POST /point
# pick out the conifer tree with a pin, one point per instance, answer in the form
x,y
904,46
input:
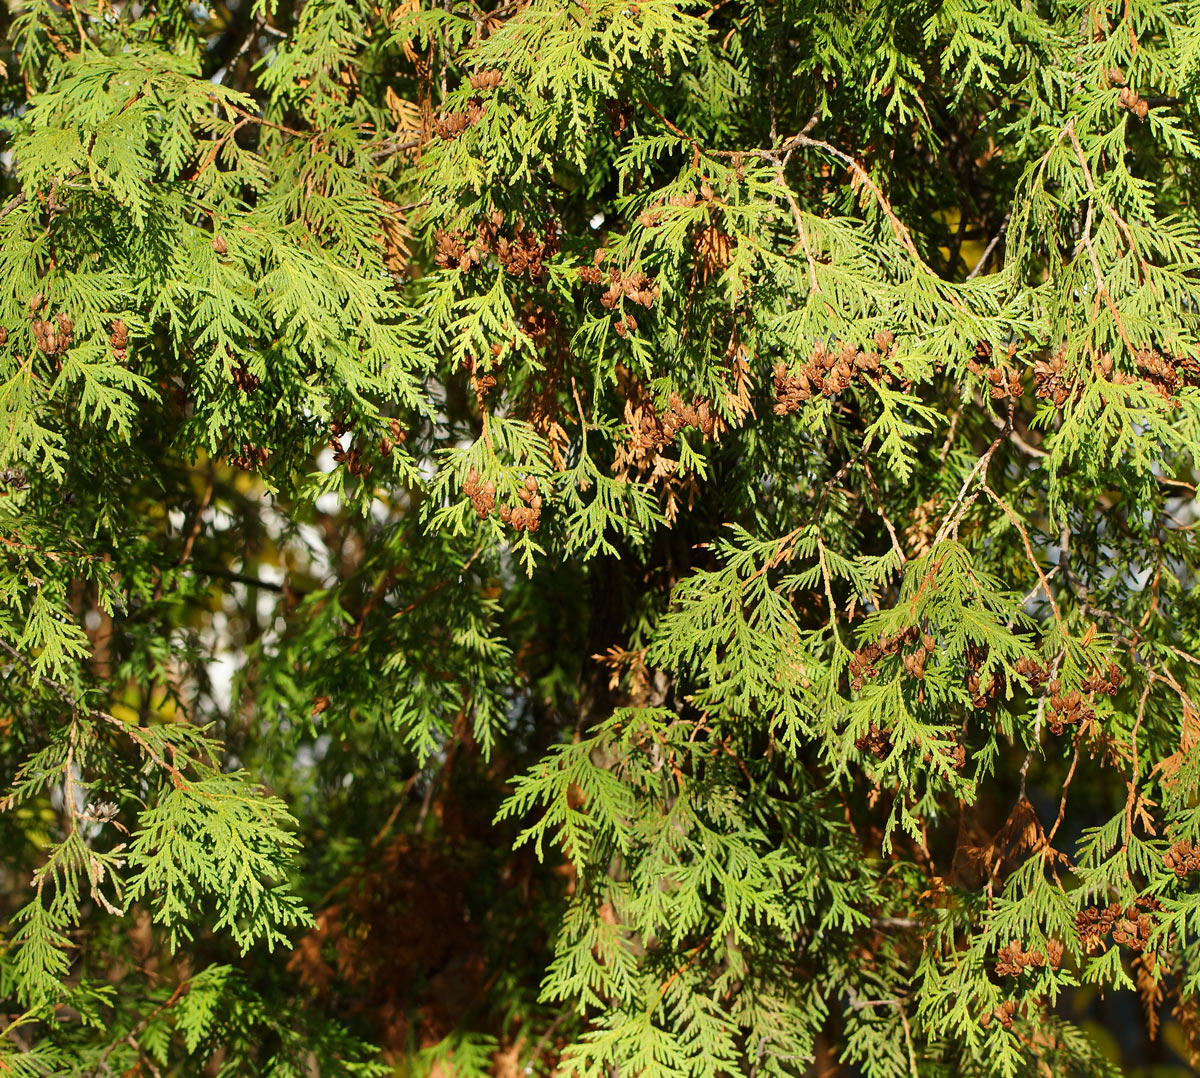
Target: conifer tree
x,y
605,538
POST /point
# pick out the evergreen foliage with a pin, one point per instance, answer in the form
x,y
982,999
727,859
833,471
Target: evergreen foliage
x,y
638,538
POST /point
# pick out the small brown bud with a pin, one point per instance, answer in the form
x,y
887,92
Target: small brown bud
x,y
220,246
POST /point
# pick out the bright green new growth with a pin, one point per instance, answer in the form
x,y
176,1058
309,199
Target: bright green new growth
x,y
647,539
